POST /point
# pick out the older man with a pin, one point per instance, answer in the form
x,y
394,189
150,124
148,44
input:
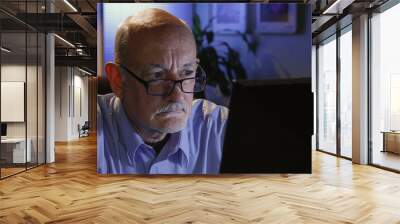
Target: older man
x,y
150,123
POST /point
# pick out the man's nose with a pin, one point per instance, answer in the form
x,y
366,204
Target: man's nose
x,y
176,93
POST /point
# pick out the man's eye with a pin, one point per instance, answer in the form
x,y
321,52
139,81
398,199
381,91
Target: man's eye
x,y
157,75
188,73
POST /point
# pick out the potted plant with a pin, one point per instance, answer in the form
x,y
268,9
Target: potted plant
x,y
222,67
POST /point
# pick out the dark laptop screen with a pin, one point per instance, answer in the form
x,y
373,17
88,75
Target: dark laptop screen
x,y
270,126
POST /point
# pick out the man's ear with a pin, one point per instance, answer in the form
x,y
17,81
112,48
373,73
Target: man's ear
x,y
114,78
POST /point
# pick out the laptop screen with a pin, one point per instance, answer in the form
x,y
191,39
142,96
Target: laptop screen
x,y
270,126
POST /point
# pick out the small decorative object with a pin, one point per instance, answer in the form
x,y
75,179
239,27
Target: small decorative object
x,y
276,18
229,18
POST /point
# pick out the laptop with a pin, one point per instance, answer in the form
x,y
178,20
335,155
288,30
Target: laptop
x,y
269,127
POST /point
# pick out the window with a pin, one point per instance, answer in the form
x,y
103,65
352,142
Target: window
x,y
327,95
22,66
385,88
346,92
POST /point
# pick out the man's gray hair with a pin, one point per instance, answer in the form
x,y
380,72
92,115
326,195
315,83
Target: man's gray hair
x,y
121,43
146,19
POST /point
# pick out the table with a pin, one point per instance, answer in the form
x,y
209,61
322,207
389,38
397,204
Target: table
x,y
391,141
13,150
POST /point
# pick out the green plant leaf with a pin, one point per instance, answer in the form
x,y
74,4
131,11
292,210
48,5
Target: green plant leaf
x,y
210,36
197,23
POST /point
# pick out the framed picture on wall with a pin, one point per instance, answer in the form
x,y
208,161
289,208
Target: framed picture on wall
x,y
276,18
228,18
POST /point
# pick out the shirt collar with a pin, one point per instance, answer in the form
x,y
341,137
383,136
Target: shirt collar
x,y
132,140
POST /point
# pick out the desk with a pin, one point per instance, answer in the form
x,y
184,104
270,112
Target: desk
x,y
391,141
13,150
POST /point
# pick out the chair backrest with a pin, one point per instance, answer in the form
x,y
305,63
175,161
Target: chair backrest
x,y
86,125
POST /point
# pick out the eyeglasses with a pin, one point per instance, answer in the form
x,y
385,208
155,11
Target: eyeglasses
x,y
164,87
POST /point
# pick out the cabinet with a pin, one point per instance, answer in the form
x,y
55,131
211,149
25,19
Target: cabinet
x,y
13,150
391,141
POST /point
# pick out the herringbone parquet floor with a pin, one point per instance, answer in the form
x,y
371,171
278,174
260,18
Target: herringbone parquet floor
x,y
70,191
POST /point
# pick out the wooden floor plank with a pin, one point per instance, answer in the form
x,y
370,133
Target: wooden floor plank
x,y
70,191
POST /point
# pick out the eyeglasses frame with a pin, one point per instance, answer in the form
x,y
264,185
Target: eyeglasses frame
x,y
146,83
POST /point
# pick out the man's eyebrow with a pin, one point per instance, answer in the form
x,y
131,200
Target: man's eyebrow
x,y
160,66
188,64
153,66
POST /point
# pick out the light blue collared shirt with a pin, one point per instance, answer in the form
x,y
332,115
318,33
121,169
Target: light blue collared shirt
x,y
197,149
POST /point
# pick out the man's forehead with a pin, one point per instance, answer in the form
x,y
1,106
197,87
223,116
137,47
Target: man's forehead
x,y
164,38
190,63
161,48
159,56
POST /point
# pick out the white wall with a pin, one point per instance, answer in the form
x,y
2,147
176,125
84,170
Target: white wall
x,y
80,103
13,101
70,84
61,103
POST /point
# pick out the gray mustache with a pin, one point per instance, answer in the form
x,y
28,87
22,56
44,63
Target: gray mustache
x,y
172,108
